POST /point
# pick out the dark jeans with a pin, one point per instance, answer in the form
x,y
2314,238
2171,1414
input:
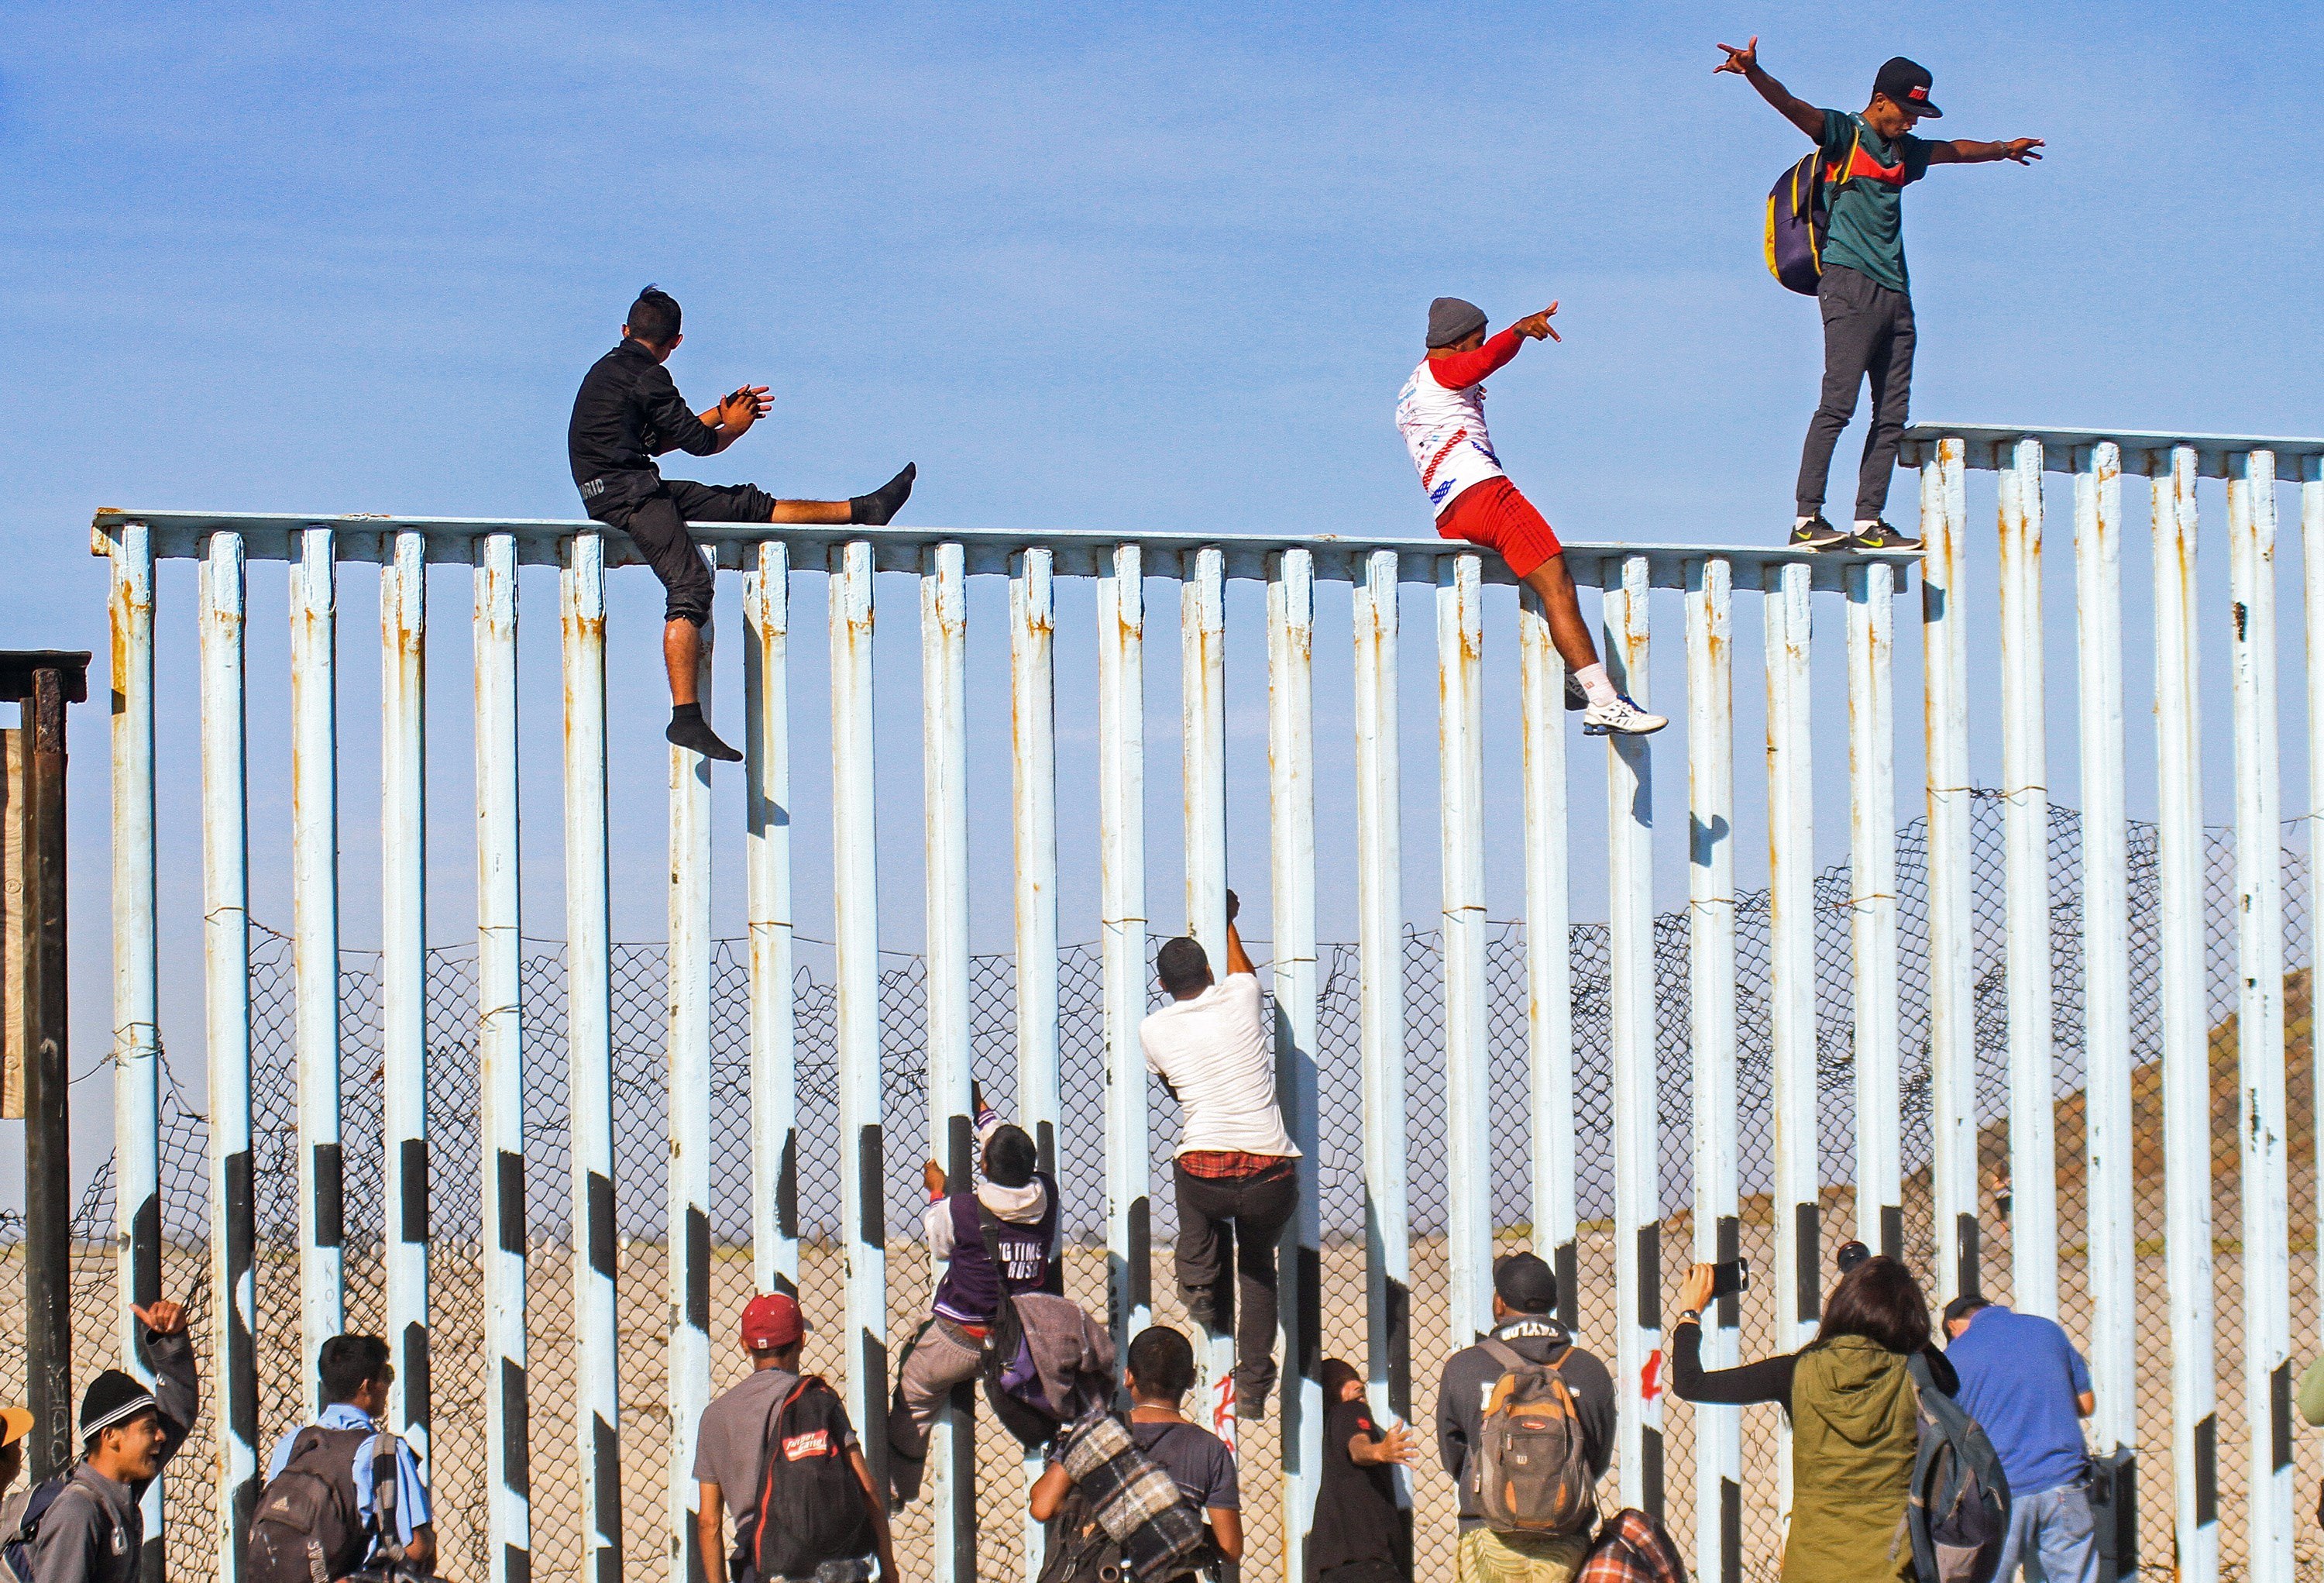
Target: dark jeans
x,y
654,512
1867,333
1260,1207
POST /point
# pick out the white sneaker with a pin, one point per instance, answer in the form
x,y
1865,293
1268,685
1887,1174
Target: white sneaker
x,y
1620,718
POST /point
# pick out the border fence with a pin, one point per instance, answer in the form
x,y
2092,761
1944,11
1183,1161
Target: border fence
x,y
1998,1046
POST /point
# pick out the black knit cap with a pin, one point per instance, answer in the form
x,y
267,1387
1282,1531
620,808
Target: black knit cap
x,y
112,1398
1524,1283
1450,319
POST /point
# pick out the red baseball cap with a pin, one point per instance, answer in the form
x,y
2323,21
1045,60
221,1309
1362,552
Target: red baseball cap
x,y
771,1321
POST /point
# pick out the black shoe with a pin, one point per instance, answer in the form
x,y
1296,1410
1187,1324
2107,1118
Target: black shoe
x,y
693,732
1881,536
1815,534
879,507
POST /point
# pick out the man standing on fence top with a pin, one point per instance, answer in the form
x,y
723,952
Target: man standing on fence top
x,y
2022,1379
627,413
1236,1166
1869,159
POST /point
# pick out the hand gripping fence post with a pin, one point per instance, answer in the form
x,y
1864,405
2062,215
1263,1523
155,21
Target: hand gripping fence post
x,y
690,1143
315,939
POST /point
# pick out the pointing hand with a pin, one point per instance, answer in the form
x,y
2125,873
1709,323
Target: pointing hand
x,y
1740,61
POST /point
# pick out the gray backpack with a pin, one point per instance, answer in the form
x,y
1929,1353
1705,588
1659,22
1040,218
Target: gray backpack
x,y
1959,1512
1531,1472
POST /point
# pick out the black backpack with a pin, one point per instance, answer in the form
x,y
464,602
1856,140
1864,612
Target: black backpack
x,y
810,1504
16,1551
309,1516
1958,1514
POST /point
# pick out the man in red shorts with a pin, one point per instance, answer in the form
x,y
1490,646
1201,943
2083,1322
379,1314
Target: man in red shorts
x,y
1442,413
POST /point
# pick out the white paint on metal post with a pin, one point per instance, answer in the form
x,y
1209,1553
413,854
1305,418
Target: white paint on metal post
x,y
2312,572
855,879
2260,1128
1291,785
1711,1004
1630,1007
1468,1073
500,1050
403,977
688,1054
589,1058
1872,909
1953,1004
2111,1214
1380,903
226,972
1121,923
136,980
767,869
1202,659
2186,1077
1549,967
315,935
944,771
2025,827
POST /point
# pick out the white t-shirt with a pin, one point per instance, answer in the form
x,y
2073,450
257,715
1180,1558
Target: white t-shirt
x,y
1215,1049
1445,429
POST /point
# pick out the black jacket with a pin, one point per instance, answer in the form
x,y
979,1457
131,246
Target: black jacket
x,y
1471,1372
627,413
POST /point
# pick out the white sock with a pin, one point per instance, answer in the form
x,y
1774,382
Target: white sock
x,y
1801,522
1595,684
1865,524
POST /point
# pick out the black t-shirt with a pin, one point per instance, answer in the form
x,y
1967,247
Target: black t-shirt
x,y
1356,1514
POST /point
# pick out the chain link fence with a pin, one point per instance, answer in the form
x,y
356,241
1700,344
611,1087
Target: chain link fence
x,y
640,1006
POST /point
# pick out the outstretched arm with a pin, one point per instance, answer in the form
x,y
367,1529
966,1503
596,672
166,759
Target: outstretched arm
x,y
1961,150
1745,63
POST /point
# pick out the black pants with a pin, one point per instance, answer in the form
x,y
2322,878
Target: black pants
x,y
1867,333
1259,1206
654,512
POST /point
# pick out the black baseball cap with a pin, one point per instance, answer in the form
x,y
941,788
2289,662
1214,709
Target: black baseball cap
x,y
1851,1255
1906,82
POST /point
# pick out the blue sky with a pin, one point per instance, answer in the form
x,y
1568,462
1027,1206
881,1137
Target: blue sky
x,y
1126,265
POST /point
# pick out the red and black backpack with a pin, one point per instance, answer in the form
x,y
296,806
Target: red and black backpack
x,y
810,1505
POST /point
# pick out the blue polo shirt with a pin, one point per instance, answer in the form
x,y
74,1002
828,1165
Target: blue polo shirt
x,y
2019,1378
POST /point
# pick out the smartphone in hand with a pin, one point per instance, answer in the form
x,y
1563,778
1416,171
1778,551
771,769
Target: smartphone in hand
x,y
1729,1278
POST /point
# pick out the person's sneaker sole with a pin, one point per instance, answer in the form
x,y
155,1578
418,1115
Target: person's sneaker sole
x,y
1818,534
1609,731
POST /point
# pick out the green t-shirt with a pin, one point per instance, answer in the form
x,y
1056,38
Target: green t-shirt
x,y
1867,220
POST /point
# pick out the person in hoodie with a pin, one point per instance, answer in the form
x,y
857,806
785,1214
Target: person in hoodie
x,y
1022,1200
1854,1414
94,1531
1524,1298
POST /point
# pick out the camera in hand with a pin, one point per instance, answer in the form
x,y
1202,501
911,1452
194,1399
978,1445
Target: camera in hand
x,y
1729,1278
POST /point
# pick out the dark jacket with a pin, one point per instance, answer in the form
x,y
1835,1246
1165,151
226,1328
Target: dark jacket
x,y
629,411
94,1532
1470,1373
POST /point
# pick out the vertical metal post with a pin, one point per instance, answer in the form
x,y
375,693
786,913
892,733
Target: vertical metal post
x,y
1033,801
1711,991
2026,815
136,984
1291,784
1468,1071
2111,1215
1630,978
767,859
2311,570
403,974
1872,910
1380,903
315,939
2186,1077
1953,1004
2259,1020
1121,926
1201,657
863,1201
690,1144
226,973
500,1048
1549,968
589,1056
943,767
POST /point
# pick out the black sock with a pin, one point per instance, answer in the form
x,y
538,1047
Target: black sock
x,y
689,730
879,507
686,711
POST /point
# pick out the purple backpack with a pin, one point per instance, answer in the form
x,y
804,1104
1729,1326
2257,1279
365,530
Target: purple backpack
x,y
1799,213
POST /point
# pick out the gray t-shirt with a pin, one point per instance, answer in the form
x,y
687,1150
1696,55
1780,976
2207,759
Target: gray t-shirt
x,y
730,1449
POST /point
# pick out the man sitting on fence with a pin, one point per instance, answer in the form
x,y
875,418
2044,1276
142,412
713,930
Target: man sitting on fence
x,y
1236,1166
627,413
343,1450
1014,1213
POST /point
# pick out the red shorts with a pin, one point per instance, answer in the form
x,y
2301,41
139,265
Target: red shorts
x,y
1494,514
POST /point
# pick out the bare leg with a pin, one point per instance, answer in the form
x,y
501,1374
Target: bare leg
x,y
822,512
681,655
1567,631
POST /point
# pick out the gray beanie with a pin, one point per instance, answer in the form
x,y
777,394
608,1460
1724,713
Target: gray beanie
x,y
1450,319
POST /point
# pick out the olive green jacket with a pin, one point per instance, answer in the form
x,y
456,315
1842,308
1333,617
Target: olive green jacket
x,y
1855,1430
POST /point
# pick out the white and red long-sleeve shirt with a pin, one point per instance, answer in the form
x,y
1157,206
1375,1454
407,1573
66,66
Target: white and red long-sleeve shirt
x,y
1441,411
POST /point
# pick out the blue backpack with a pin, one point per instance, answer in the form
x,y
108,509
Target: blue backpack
x,y
1799,215
16,1550
1959,1511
